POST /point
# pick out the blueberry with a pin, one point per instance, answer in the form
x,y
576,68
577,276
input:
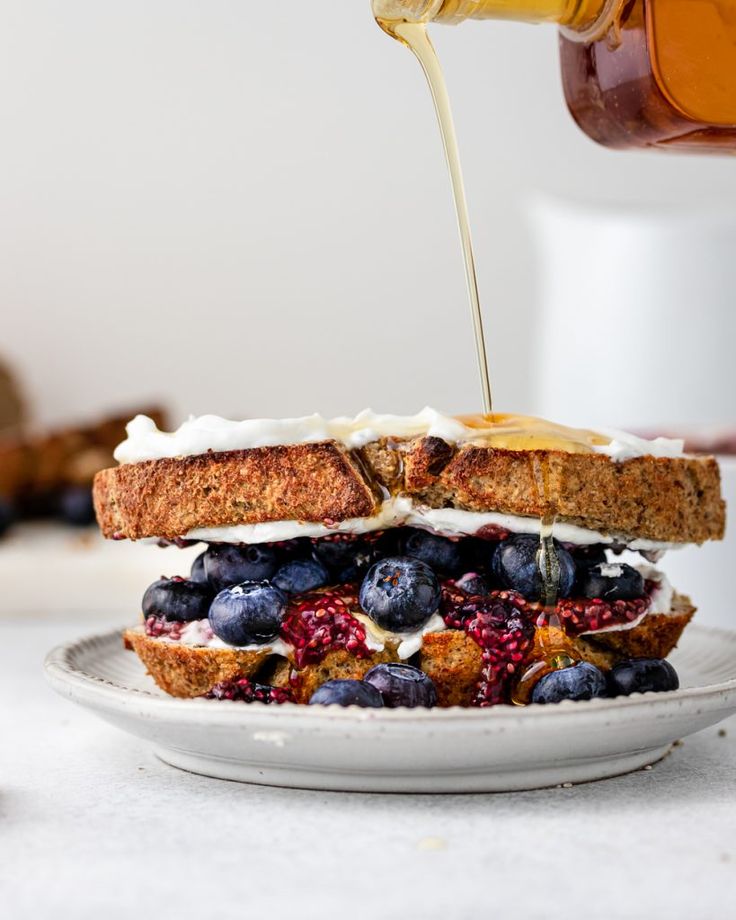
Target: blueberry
x,y
388,543
248,614
640,675
516,565
473,583
7,516
477,553
439,553
297,548
75,507
347,693
365,556
198,573
338,551
177,599
300,576
581,681
594,554
402,685
400,594
227,565
610,581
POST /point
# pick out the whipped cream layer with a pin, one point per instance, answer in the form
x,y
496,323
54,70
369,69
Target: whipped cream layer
x,y
513,432
402,511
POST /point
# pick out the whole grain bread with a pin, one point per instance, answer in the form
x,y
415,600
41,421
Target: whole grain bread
x,y
669,499
451,658
168,498
672,500
188,672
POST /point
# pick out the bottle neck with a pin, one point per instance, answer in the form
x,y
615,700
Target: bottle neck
x,y
581,19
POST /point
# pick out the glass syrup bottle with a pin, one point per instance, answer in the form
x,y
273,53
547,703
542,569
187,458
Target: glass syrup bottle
x,y
636,73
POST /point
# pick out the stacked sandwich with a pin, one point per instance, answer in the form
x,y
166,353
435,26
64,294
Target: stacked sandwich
x,y
409,561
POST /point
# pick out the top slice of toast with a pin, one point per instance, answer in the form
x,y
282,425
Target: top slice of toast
x,y
674,500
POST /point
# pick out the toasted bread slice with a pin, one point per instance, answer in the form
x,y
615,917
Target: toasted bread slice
x,y
451,658
674,500
669,500
188,672
168,498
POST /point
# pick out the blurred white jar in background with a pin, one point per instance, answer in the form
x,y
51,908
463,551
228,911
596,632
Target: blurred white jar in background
x,y
706,572
635,315
635,327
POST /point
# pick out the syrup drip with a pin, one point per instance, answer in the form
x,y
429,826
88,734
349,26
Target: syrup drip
x,y
549,565
414,35
552,649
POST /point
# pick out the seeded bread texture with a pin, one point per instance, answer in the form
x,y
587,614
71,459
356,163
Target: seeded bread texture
x,y
668,499
337,665
183,671
168,498
451,658
672,500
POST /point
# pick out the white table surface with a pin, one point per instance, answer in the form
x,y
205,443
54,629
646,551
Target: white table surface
x,y
90,818
92,825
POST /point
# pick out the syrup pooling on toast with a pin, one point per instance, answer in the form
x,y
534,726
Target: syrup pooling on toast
x,y
211,434
414,36
525,432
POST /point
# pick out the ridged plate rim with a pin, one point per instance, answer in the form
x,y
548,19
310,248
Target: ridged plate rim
x,y
69,679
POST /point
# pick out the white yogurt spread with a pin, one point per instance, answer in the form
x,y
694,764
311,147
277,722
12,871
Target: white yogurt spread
x,y
392,512
395,512
611,570
211,433
409,643
198,634
625,446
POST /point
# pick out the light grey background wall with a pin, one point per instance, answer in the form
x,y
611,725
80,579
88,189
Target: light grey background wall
x,y
242,207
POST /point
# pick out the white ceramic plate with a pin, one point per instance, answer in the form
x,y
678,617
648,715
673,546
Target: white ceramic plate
x,y
440,750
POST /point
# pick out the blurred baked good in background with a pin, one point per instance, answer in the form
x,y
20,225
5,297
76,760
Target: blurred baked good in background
x,y
11,402
48,474
45,486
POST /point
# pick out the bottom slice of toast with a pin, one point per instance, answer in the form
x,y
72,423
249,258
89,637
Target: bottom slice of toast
x,y
451,658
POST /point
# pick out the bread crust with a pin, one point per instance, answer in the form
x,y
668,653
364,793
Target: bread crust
x,y
337,665
167,498
451,658
670,500
655,637
675,500
186,672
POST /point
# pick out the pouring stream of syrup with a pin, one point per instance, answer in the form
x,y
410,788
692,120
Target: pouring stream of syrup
x,y
414,35
507,431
